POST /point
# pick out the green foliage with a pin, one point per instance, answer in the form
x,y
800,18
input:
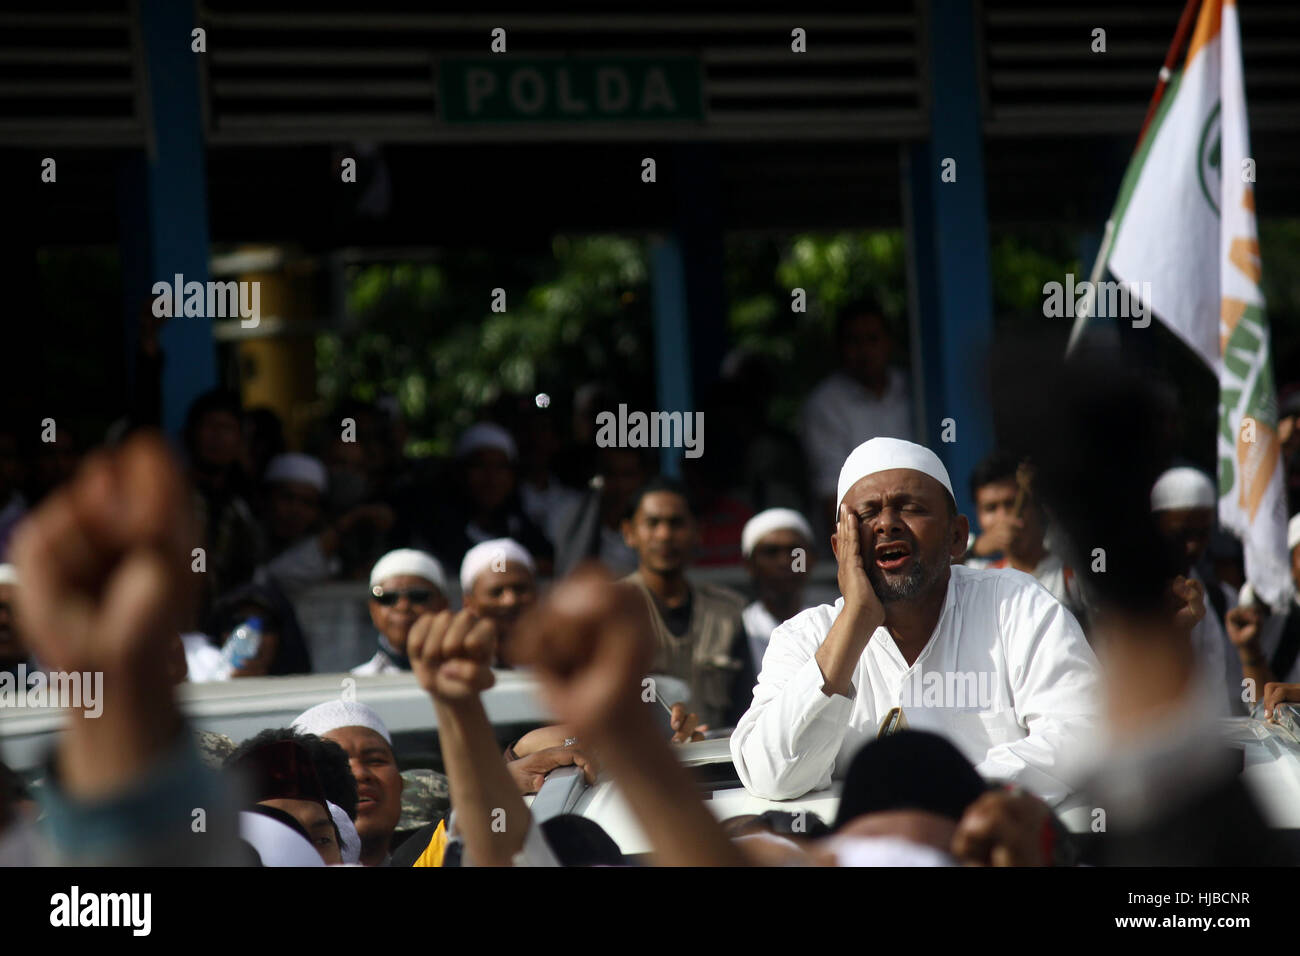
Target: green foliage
x,y
833,270
580,311
426,333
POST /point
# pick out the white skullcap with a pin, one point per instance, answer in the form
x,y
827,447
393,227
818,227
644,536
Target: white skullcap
x,y
350,841
1293,532
773,519
886,454
333,714
1180,488
495,553
409,561
876,851
294,466
486,435
276,843
8,574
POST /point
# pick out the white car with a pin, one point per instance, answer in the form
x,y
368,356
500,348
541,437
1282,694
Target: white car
x,y
243,707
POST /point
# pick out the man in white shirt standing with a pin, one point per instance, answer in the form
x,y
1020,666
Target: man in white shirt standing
x,y
864,398
987,659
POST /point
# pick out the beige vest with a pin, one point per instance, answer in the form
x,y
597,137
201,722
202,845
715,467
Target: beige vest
x,y
706,656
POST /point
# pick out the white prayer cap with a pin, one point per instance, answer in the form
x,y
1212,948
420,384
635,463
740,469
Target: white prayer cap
x,y
333,714
295,466
486,435
349,839
1293,533
495,553
409,561
1180,488
276,843
773,519
886,851
8,574
886,454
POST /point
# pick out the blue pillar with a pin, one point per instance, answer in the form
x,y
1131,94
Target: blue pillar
x,y
949,248
672,339
175,200
697,185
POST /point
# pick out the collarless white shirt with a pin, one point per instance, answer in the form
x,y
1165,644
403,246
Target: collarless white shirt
x,y
1007,676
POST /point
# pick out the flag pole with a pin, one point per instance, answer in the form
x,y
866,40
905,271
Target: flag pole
x,y
1166,72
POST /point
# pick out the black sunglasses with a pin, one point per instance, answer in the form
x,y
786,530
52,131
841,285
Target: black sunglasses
x,y
390,598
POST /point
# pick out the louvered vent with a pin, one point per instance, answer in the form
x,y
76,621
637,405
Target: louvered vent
x,y
344,72
68,74
1042,76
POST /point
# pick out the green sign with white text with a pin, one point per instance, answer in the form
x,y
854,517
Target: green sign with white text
x,y
569,89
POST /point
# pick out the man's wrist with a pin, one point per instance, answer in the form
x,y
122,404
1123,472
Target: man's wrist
x,y
862,622
458,706
1250,653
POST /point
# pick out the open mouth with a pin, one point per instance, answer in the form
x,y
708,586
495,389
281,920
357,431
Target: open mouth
x,y
893,557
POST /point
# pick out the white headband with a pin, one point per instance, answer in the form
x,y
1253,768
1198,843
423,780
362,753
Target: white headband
x,y
8,574
409,561
333,714
886,454
1293,533
773,519
350,841
1180,488
486,435
276,843
293,466
494,554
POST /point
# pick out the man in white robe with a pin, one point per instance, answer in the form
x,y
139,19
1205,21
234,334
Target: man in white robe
x,y
988,659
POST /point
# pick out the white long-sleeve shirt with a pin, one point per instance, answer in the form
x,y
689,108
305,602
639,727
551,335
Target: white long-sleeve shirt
x,y
841,413
1007,677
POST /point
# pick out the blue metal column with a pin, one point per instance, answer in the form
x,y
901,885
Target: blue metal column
x,y
697,183
672,339
175,194
949,248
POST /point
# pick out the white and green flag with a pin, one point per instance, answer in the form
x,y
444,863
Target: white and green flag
x,y
1185,224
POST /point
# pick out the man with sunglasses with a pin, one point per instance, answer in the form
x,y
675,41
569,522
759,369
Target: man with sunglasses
x,y
777,546
403,585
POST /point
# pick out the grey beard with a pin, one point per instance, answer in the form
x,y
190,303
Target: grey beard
x,y
888,590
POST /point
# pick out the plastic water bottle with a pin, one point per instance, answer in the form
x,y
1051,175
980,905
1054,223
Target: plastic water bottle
x,y
243,644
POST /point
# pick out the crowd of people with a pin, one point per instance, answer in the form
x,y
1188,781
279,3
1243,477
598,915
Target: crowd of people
x,y
969,679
